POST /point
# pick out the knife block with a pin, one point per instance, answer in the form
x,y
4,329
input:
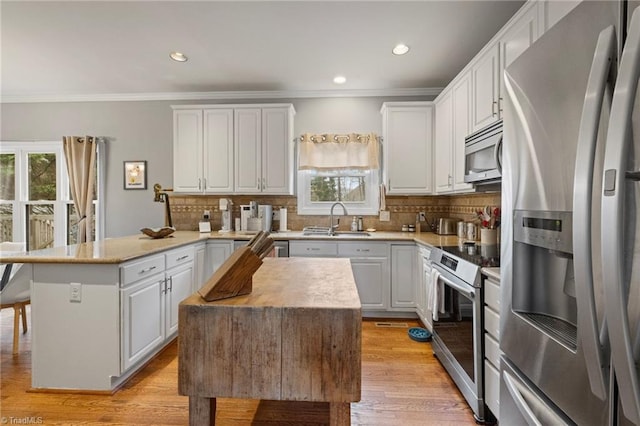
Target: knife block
x,y
233,278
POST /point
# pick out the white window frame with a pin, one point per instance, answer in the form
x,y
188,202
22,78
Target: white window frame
x,y
307,207
21,150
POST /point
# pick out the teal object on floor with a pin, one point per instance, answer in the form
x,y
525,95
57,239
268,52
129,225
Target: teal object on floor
x,y
419,334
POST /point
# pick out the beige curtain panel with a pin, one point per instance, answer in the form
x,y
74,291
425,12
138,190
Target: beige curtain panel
x,y
80,153
339,152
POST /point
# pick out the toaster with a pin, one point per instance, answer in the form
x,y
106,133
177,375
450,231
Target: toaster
x,y
447,226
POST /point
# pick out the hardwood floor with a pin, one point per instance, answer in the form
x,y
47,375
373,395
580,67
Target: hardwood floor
x,y
402,384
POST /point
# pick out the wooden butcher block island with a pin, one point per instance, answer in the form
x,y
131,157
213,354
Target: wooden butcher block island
x,y
295,337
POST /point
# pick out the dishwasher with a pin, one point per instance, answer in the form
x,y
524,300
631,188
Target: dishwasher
x,y
282,247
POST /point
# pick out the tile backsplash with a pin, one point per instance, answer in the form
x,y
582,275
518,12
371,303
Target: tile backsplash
x,y
187,210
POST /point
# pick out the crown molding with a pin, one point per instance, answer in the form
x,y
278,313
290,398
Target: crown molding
x,y
180,96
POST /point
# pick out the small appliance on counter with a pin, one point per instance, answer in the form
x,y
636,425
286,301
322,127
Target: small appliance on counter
x,y
256,217
225,209
447,226
265,213
245,215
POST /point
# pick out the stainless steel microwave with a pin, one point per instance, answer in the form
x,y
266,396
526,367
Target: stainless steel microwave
x,y
483,155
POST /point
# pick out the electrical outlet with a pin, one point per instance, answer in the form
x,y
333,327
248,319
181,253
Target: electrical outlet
x,y
423,217
75,292
276,215
207,214
385,216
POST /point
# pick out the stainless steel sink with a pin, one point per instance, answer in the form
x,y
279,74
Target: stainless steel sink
x,y
322,231
352,234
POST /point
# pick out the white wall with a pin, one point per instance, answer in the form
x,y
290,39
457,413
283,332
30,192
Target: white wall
x,y
143,131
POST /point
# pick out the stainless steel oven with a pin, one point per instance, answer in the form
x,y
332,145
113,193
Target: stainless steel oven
x,y
458,319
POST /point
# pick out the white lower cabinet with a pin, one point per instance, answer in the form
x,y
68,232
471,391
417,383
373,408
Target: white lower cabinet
x,y
150,305
217,252
179,284
142,319
370,274
492,343
403,276
423,286
199,266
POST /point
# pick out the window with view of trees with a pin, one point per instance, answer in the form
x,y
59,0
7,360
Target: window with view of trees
x,y
35,201
338,188
358,190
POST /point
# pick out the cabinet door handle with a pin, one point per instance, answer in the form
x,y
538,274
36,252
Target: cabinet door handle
x,y
493,108
500,105
363,250
313,248
163,283
182,258
204,184
264,185
144,271
170,283
258,184
199,184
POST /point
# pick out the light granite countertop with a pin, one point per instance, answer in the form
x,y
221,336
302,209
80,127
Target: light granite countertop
x,y
122,249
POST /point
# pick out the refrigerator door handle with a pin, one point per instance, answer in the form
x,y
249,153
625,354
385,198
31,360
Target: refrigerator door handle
x,y
537,415
595,351
619,137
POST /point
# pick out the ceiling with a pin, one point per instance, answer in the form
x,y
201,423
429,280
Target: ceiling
x,y
94,50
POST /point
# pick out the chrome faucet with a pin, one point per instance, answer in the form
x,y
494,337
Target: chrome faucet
x,y
332,229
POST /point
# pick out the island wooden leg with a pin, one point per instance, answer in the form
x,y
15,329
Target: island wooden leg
x,y
339,413
202,411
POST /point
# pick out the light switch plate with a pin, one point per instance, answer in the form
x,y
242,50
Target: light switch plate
x,y
385,216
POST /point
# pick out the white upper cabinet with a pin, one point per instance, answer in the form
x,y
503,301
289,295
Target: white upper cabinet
x,y
218,151
452,126
407,147
187,150
461,128
277,150
248,143
443,142
487,69
241,149
486,73
554,10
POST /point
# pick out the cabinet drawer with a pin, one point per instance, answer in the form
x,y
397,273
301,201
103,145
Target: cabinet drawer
x,y
492,388
492,294
362,249
179,256
425,252
492,323
491,349
134,271
313,248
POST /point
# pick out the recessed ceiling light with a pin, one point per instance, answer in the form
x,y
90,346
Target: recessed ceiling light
x,y
340,79
400,49
177,56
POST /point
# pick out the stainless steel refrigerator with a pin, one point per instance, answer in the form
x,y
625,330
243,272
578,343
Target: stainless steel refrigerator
x,y
570,255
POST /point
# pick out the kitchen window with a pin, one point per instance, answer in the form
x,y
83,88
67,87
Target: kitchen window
x,y
334,167
318,190
35,201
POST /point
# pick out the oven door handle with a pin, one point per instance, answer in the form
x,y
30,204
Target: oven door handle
x,y
471,294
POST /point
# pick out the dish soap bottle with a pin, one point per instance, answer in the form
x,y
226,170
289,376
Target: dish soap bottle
x,y
354,225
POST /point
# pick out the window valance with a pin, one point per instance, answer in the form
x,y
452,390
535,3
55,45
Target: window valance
x,y
339,152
